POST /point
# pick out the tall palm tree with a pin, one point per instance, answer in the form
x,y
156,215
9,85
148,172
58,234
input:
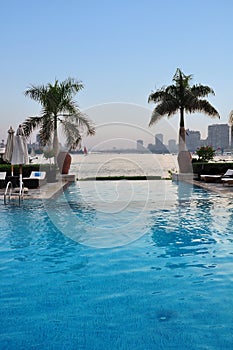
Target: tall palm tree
x,y
231,126
183,98
58,107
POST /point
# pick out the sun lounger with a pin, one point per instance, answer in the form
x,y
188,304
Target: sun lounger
x,y
227,178
211,178
36,179
218,178
2,179
227,181
228,173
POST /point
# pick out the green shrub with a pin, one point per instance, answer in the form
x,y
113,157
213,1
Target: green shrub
x,y
205,153
27,169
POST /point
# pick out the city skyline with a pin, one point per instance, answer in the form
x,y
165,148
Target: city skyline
x,y
218,136
121,51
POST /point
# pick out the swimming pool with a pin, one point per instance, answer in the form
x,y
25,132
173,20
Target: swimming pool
x,y
168,287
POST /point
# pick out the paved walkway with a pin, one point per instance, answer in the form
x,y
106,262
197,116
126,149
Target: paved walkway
x,y
46,191
218,187
49,190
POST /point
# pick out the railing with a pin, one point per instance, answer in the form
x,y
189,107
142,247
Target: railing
x,y
13,192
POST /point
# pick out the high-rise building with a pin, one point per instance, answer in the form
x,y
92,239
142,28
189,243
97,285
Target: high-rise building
x,y
218,136
192,140
172,146
158,139
158,147
140,146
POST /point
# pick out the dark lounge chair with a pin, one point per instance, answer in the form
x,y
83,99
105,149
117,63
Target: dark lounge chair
x,y
36,179
2,179
228,176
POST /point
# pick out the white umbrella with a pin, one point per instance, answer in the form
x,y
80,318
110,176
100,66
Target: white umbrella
x,y
9,148
20,153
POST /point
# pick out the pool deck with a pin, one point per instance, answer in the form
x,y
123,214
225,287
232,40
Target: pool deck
x,y
46,191
51,190
217,187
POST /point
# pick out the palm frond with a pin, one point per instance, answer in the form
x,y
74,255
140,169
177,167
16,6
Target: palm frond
x,y
181,80
68,107
155,117
203,106
36,93
181,96
71,86
57,105
82,121
30,124
72,133
46,130
201,90
168,107
157,96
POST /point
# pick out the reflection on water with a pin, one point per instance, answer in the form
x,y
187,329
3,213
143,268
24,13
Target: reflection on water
x,y
172,286
187,228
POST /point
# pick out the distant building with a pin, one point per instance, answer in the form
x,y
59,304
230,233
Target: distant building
x,y
140,147
193,139
172,146
158,139
204,142
218,136
158,147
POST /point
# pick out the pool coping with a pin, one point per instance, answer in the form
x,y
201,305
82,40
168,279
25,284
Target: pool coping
x,y
50,191
216,187
47,191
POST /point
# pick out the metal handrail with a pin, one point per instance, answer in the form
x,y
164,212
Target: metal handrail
x,y
9,187
21,192
9,192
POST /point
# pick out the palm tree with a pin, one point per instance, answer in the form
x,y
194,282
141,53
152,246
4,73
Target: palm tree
x,y
231,125
58,107
183,98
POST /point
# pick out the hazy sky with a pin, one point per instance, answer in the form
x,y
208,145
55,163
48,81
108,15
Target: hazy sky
x,y
120,50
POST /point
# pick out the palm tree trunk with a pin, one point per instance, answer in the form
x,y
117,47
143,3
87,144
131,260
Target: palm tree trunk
x,y
232,136
184,157
182,144
55,141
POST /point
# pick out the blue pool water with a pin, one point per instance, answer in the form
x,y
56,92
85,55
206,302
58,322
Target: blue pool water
x,y
169,287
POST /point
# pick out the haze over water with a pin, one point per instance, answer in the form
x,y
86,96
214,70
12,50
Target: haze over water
x,y
109,164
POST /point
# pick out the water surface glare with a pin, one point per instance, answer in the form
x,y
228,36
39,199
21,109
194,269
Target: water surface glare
x,y
144,265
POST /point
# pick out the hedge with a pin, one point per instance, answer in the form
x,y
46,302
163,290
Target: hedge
x,y
27,169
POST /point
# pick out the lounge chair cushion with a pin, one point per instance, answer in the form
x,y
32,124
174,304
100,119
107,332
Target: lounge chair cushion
x,y
2,179
217,178
36,179
2,175
227,181
40,175
228,173
211,178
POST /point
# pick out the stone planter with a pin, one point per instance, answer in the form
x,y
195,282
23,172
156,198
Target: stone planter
x,y
51,176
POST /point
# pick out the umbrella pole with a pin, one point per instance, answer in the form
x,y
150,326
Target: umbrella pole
x,y
20,177
12,170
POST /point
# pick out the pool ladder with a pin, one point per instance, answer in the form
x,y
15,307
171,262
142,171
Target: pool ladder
x,y
11,192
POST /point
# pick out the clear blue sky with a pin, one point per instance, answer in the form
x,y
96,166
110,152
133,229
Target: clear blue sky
x,y
120,50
